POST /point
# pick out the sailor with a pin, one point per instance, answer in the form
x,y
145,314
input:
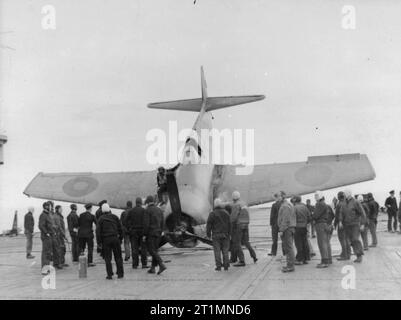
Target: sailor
x,y
109,231
86,222
46,234
73,225
240,215
300,237
321,219
364,222
123,219
218,229
60,225
153,225
342,238
287,221
161,183
373,213
391,205
134,223
350,219
29,223
273,224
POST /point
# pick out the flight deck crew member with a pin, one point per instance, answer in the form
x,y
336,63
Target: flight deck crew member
x,y
218,228
242,229
321,219
86,221
29,223
373,213
350,219
46,234
123,217
342,238
391,205
56,250
287,222
153,225
98,213
364,222
161,183
273,224
73,225
301,233
134,223
110,235
59,219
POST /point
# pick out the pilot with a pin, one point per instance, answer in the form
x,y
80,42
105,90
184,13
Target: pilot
x,y
59,220
364,222
300,237
321,218
161,183
110,233
54,238
73,224
344,241
135,228
29,223
46,234
373,212
218,228
123,219
153,225
86,222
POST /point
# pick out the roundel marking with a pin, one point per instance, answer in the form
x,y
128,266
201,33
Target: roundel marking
x,y
313,175
80,186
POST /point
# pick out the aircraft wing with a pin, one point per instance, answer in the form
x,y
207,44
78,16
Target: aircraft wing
x,y
116,187
297,178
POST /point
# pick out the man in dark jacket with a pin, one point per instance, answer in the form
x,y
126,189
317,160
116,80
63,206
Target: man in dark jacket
x,y
161,183
110,233
29,223
373,213
153,225
46,234
273,224
73,225
98,213
350,219
300,237
342,238
60,225
123,219
321,218
56,249
218,228
391,205
86,222
134,222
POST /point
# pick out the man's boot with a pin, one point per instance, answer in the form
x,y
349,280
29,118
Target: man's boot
x,y
240,264
358,259
152,270
162,267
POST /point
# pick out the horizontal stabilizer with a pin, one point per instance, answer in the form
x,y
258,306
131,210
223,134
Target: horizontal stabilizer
x,y
213,103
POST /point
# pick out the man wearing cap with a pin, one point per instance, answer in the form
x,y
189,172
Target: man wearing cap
x,y
123,220
373,213
29,223
86,221
73,225
273,224
391,205
301,233
110,233
135,228
153,225
350,219
46,234
218,229
287,221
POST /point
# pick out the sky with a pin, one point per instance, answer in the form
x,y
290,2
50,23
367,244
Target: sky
x,y
73,98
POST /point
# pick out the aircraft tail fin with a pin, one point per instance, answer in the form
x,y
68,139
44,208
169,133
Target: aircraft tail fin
x,y
212,103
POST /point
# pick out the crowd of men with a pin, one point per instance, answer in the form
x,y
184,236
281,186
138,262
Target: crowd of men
x,y
140,227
